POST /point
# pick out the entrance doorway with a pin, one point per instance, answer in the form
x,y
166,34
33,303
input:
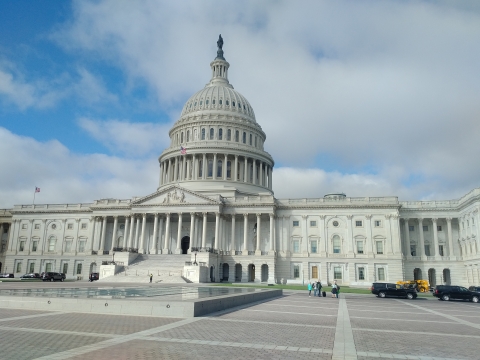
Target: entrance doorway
x,y
251,272
264,273
432,277
212,275
226,269
417,274
238,272
446,277
185,244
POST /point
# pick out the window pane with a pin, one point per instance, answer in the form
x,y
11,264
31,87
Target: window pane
x,y
210,168
360,247
32,267
381,274
229,169
81,246
314,272
296,246
34,246
314,246
79,269
295,223
219,168
296,271
337,273
65,268
361,273
411,227
220,134
379,247
313,223
336,244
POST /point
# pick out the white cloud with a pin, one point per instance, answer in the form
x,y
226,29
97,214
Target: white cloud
x,y
92,89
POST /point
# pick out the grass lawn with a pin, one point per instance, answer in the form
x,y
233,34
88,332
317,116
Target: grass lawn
x,y
343,289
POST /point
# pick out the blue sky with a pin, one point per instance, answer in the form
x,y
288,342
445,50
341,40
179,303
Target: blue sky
x,y
370,98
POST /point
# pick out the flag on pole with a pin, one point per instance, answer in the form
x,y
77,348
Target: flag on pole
x,y
183,150
37,189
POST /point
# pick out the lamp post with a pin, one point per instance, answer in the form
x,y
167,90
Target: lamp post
x,y
113,255
195,262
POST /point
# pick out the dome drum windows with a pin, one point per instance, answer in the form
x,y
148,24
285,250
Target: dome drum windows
x,y
220,134
219,168
237,136
212,133
203,133
229,135
244,137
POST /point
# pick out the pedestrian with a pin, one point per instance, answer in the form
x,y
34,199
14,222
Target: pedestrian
x,y
334,290
319,288
309,289
314,285
151,277
338,289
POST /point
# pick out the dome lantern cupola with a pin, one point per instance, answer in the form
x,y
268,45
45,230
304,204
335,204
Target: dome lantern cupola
x,y
219,67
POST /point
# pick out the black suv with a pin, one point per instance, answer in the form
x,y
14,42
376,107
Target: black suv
x,y
452,292
93,276
474,288
383,290
53,276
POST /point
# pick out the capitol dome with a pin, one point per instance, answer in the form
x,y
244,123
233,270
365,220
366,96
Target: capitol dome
x,y
216,145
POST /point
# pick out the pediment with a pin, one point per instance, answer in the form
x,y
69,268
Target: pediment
x,y
175,195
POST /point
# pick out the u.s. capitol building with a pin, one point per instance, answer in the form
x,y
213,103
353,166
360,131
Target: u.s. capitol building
x,y
215,206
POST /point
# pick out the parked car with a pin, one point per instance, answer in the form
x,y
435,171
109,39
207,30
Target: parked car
x,y
6,275
383,290
93,276
453,292
30,276
53,276
474,288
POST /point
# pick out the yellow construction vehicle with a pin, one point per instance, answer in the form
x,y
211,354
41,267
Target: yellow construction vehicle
x,y
421,285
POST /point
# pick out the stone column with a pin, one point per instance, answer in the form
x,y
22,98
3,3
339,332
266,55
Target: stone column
x,y
175,170
185,163
232,247
189,166
114,234
217,219
179,234
160,234
160,175
435,238
245,170
254,177
194,167
137,230
155,234
125,232
204,231
204,167
323,231
169,172
225,169
349,234
93,221
421,241
166,246
265,175
450,237
304,242
389,240
259,238
192,231
102,237
215,167
130,237
260,174
245,234
270,172
407,239
235,171
272,227
141,248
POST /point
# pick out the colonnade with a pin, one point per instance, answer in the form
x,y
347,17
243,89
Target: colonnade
x,y
216,167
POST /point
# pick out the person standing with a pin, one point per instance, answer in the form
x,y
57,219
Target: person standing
x,y
309,289
314,285
334,290
319,288
151,277
338,289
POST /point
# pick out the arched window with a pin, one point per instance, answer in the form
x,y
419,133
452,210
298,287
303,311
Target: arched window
x,y
237,136
220,102
229,134
212,132
213,102
195,134
233,103
229,169
177,138
220,134
200,168
210,168
336,244
181,138
227,103
188,135
250,139
203,134
219,168
244,137
206,102
239,105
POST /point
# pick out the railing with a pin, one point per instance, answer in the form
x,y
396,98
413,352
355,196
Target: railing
x,y
94,252
120,263
195,249
264,252
251,252
238,252
188,263
106,252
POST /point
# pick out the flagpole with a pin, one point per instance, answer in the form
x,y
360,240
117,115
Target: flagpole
x,y
34,196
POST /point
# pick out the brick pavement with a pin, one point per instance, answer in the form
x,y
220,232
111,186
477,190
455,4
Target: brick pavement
x,y
292,327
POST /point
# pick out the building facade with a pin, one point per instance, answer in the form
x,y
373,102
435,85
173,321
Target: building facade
x,y
215,198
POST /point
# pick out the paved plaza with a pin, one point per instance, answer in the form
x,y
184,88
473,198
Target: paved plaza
x,y
294,326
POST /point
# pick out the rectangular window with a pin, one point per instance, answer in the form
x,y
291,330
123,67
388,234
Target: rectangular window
x,y
336,244
358,223
24,226
48,267
359,247
381,274
313,223
296,246
314,272
413,250
81,246
439,227
51,244
22,245
440,250
19,267
296,223
379,245
65,268
79,269
37,226
34,245
32,268
425,227
411,228
84,226
70,226
314,246
68,246
427,250
378,223
337,273
361,273
296,271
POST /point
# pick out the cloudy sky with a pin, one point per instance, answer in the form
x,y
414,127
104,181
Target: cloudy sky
x,y
369,98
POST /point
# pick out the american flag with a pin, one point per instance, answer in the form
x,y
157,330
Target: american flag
x,y
37,189
183,150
